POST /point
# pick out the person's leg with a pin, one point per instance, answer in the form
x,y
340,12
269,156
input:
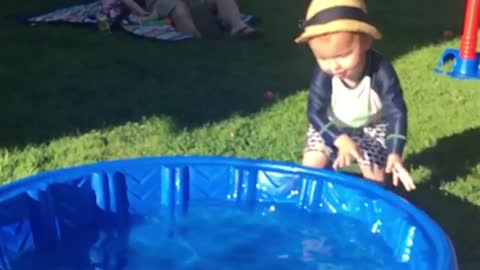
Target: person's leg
x,y
229,12
183,20
316,153
156,9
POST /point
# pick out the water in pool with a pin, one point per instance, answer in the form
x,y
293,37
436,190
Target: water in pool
x,y
217,236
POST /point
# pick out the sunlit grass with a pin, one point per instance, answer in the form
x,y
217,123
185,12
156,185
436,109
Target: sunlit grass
x,y
71,96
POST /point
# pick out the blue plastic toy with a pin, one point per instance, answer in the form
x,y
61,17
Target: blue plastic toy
x,y
194,212
466,60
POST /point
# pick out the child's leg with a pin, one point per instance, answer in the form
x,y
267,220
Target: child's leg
x,y
374,173
316,153
315,159
372,145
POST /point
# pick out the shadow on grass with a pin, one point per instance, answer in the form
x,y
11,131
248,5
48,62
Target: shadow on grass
x,y
59,81
451,158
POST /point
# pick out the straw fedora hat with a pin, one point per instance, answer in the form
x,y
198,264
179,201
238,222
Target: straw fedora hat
x,y
329,16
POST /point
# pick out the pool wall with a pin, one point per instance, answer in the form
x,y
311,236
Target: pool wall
x,y
41,211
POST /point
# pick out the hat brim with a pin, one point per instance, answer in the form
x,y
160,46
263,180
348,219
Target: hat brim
x,y
338,26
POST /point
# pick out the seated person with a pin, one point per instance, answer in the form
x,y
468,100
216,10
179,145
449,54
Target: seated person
x,y
180,11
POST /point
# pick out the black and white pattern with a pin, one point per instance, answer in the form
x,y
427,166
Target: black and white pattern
x,y
371,143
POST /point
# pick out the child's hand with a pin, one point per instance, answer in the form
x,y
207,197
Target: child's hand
x,y
347,149
395,165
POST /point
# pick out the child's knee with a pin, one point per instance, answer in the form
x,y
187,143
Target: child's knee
x,y
374,173
315,159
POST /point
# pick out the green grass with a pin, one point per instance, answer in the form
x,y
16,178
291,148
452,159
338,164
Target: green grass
x,y
75,96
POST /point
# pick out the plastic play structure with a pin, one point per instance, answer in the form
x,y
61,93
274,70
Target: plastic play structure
x,y
466,60
53,210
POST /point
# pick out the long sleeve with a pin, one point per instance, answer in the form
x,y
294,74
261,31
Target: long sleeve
x,y
318,103
394,108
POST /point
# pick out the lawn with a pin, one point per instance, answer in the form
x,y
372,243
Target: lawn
x,y
71,95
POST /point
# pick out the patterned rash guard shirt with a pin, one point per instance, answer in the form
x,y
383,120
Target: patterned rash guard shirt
x,y
334,108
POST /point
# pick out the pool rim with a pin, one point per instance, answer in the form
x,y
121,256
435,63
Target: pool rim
x,y
434,232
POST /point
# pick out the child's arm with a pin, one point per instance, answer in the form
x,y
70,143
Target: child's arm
x,y
319,96
395,115
393,105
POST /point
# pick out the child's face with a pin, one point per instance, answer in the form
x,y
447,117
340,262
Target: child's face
x,y
341,54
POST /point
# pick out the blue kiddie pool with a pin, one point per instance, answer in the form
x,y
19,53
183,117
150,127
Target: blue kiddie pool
x,y
209,213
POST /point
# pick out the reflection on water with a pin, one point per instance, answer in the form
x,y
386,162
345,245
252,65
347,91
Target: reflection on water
x,y
219,236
